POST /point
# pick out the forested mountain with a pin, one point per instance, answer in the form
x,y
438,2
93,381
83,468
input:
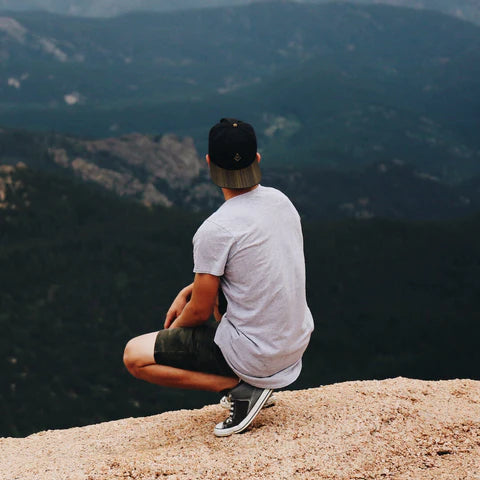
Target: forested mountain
x,y
465,9
338,85
81,271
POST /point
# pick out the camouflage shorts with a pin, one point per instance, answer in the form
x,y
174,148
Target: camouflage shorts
x,y
191,348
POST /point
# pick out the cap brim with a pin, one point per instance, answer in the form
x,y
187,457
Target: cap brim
x,y
244,178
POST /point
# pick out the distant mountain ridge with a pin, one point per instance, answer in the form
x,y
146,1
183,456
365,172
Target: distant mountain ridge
x,y
465,9
338,85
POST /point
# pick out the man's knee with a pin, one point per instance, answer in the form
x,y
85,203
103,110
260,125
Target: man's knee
x,y
129,357
133,356
139,353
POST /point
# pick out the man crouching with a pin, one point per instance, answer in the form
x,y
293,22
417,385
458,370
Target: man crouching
x,y
250,253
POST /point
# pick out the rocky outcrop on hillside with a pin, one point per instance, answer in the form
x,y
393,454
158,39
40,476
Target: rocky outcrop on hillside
x,y
154,169
163,170
5,183
8,184
390,429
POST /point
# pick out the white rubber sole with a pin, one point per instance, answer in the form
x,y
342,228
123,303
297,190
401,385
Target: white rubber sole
x,y
225,432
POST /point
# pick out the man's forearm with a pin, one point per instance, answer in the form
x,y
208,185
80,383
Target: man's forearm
x,y
202,301
178,305
190,317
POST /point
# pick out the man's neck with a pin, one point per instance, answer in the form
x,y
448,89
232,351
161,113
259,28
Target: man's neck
x,y
229,193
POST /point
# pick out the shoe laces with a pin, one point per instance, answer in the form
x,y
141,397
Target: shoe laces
x,y
230,417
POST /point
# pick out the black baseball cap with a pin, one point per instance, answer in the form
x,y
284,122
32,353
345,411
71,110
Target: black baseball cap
x,y
232,148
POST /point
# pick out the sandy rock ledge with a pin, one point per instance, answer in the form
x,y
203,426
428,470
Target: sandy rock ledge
x,y
390,429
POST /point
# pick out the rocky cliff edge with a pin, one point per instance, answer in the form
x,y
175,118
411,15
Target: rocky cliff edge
x,y
390,429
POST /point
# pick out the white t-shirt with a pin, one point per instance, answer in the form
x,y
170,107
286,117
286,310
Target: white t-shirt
x,y
254,243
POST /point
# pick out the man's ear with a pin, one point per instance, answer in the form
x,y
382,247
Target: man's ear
x,y
207,158
259,157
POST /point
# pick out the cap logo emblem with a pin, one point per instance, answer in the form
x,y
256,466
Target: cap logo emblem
x,y
237,157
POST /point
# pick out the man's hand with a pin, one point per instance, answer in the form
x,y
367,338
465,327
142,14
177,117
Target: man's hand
x,y
178,305
201,304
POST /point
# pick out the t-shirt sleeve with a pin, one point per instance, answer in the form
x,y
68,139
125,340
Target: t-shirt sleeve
x,y
211,247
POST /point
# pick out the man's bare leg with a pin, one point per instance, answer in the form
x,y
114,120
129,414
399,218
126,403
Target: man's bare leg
x,y
140,362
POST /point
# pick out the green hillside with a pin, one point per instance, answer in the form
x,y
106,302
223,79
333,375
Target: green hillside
x,y
82,271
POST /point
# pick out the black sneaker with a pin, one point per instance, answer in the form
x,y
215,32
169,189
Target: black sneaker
x,y
246,402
